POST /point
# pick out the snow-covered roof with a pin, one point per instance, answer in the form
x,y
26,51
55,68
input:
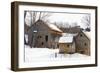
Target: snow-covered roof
x,y
50,25
88,34
69,34
66,39
54,27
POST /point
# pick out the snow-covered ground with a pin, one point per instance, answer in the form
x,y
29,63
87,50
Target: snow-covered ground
x,y
45,55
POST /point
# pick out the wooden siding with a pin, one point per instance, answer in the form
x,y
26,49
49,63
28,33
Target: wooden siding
x,y
38,38
82,44
67,48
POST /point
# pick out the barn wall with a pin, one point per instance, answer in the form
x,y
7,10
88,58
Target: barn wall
x,y
67,47
72,48
82,44
38,39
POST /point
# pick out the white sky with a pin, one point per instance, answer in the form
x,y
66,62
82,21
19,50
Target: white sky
x,y
63,17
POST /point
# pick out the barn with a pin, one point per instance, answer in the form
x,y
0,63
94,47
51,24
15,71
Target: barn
x,y
66,44
82,41
43,35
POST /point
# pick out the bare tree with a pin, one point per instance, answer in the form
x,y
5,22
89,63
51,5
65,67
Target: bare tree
x,y
44,16
74,24
62,24
33,17
86,20
58,24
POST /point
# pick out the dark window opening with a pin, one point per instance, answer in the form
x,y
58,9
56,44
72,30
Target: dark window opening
x,y
82,52
68,45
85,44
39,37
46,38
80,35
57,46
42,43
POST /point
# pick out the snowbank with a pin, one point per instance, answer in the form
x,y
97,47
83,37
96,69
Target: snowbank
x,y
45,54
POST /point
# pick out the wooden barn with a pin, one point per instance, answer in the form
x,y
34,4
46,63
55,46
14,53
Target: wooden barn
x,y
43,35
66,44
82,41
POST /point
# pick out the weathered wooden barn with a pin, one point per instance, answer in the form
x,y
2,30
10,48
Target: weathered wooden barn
x,y
66,44
43,35
82,41
75,43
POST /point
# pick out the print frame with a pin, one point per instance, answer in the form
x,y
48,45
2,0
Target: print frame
x,y
15,34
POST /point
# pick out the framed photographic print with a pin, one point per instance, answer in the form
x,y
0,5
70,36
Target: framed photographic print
x,y
52,36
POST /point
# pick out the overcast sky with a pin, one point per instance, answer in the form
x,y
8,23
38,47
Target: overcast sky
x,y
62,17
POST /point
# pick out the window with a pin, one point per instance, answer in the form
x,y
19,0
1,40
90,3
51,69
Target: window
x,y
82,52
39,36
68,45
46,38
85,44
80,35
42,43
57,45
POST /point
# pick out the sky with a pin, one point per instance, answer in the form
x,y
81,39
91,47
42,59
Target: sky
x,y
62,18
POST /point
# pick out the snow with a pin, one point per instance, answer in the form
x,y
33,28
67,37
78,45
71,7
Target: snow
x,y
66,39
88,34
51,57
32,54
26,38
35,31
28,19
69,34
53,27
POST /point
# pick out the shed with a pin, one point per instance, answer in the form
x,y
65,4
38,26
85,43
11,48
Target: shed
x,y
66,44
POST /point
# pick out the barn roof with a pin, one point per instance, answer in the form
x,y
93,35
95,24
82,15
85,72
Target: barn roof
x,y
68,39
88,34
50,25
70,34
54,27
